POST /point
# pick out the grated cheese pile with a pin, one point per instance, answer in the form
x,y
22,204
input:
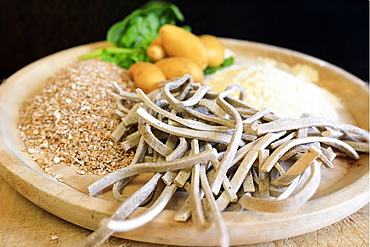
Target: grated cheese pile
x,y
287,94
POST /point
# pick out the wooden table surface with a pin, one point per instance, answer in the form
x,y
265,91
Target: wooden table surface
x,y
22,223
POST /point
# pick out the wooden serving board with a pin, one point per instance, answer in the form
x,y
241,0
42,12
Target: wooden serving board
x,y
343,190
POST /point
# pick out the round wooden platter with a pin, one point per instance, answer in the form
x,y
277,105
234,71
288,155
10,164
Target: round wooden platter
x,y
343,189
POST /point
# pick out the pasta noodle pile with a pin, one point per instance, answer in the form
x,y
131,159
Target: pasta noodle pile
x,y
218,148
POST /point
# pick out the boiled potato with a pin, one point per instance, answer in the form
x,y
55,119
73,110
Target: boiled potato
x,y
146,76
156,41
179,66
215,50
155,52
178,42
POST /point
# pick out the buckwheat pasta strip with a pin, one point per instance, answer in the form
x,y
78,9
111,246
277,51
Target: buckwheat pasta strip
x,y
264,177
351,137
188,87
341,135
131,141
289,189
297,168
250,128
197,212
219,220
118,188
210,95
179,152
184,132
208,118
119,113
228,157
288,137
258,115
166,89
313,131
174,102
184,213
127,95
274,157
310,122
194,99
160,134
156,144
332,133
233,197
279,168
294,201
248,184
187,122
243,151
294,150
133,223
225,182
248,138
130,205
169,177
238,103
182,177
184,174
246,164
325,159
213,108
139,168
177,82
118,132
131,117
247,112
329,154
303,132
358,146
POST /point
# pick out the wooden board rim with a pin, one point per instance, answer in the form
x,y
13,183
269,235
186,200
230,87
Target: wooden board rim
x,y
57,196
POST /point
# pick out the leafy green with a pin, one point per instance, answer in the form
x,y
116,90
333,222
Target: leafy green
x,y
139,28
134,33
227,62
123,57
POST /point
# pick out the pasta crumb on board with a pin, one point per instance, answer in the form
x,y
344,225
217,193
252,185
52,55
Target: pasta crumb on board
x,y
70,121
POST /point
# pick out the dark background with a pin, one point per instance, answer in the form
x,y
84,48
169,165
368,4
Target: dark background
x,y
334,31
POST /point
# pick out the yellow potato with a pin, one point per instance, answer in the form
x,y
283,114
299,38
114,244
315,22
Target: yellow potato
x,y
179,66
155,52
157,41
146,76
178,42
215,50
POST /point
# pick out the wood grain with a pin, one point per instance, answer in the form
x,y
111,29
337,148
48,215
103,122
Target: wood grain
x,y
25,224
343,190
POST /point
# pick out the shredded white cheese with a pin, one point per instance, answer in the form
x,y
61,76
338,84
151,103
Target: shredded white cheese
x,y
288,94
